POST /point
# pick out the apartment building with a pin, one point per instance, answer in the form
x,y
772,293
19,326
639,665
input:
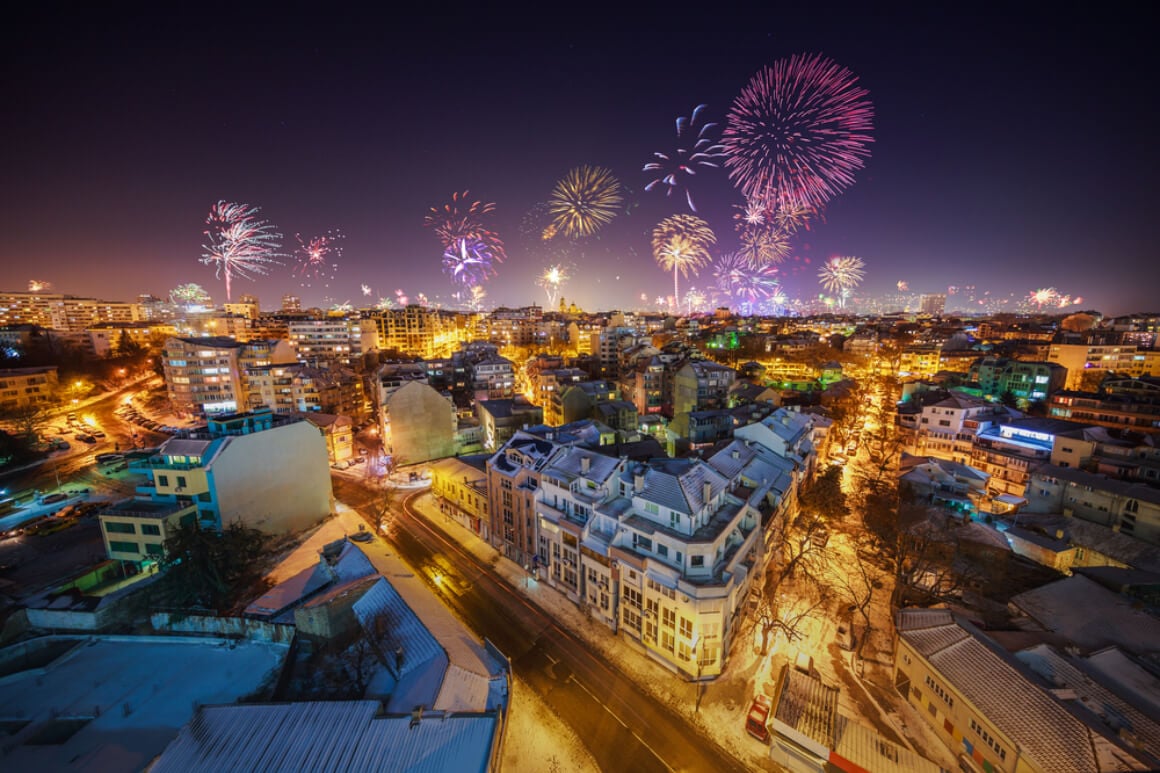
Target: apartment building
x,y
207,376
493,378
1130,508
989,708
701,385
417,331
1083,358
342,339
22,388
1129,403
1029,382
263,471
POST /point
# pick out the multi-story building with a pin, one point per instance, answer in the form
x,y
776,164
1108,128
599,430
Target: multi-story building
x,y
1029,382
417,424
22,388
1083,358
644,385
933,304
1129,507
988,708
265,472
493,378
342,339
460,486
687,548
1010,451
947,429
1129,403
208,375
245,306
701,385
65,313
108,337
501,419
417,331
547,383
513,480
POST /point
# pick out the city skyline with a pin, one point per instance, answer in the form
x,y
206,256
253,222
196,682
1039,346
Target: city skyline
x,y
1003,157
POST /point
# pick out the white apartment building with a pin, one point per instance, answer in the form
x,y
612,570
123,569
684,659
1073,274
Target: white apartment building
x,y
207,375
344,339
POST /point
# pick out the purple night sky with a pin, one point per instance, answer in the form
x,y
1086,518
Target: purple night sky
x,y
1012,149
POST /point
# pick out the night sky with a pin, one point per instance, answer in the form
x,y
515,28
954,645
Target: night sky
x,y
1013,149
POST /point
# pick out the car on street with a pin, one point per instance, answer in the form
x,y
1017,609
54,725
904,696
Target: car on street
x,y
362,535
52,499
85,438
98,434
756,723
341,465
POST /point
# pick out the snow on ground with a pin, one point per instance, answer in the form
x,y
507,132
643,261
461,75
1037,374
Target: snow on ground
x,y
537,739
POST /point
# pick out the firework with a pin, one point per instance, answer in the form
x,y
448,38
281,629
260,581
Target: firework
x,y
38,285
584,200
471,297
798,132
552,279
345,307
695,301
366,290
1047,296
740,281
673,168
189,294
841,275
470,248
681,244
903,285
239,243
316,257
762,245
385,304
468,262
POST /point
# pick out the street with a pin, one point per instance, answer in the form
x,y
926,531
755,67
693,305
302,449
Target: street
x,y
623,728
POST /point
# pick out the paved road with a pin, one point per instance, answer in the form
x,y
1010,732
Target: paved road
x,y
623,728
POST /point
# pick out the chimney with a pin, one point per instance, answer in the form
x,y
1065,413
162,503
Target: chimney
x,y
1059,533
707,491
736,454
638,482
585,464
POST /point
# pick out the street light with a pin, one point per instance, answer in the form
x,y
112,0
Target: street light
x,y
693,646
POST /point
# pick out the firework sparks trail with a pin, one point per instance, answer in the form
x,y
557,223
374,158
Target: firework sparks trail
x,y
366,290
1046,296
903,285
551,280
681,244
743,283
316,257
584,200
798,132
189,294
841,275
673,168
470,248
38,285
239,243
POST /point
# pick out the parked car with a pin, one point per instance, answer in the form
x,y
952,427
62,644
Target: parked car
x,y
341,465
85,438
362,535
755,722
52,498
98,434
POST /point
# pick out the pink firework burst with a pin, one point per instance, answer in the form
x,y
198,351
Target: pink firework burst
x,y
317,257
239,243
798,132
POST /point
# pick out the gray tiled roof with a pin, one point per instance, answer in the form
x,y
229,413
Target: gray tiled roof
x,y
1000,690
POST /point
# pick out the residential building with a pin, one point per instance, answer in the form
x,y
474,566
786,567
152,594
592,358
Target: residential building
x,y
1028,382
1130,508
460,486
701,385
336,430
513,479
24,388
206,376
1082,359
934,304
261,470
417,424
417,331
342,339
989,708
1132,403
135,530
501,419
493,378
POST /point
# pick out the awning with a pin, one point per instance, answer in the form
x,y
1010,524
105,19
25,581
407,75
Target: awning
x,y
1010,499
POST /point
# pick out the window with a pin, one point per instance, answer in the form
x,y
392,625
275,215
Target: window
x,y
154,549
123,547
670,617
662,550
667,641
641,543
697,561
162,480
151,529
632,597
115,527
686,628
181,481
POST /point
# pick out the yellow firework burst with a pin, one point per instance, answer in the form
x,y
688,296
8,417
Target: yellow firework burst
x,y
584,200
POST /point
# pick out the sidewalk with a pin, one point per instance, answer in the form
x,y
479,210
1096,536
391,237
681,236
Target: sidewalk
x,y
724,702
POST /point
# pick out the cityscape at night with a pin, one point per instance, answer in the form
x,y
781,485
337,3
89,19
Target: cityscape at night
x,y
715,389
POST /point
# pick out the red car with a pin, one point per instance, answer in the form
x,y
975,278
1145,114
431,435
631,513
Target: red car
x,y
755,723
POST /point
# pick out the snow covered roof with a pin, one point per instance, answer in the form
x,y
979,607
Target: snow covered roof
x,y
330,736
